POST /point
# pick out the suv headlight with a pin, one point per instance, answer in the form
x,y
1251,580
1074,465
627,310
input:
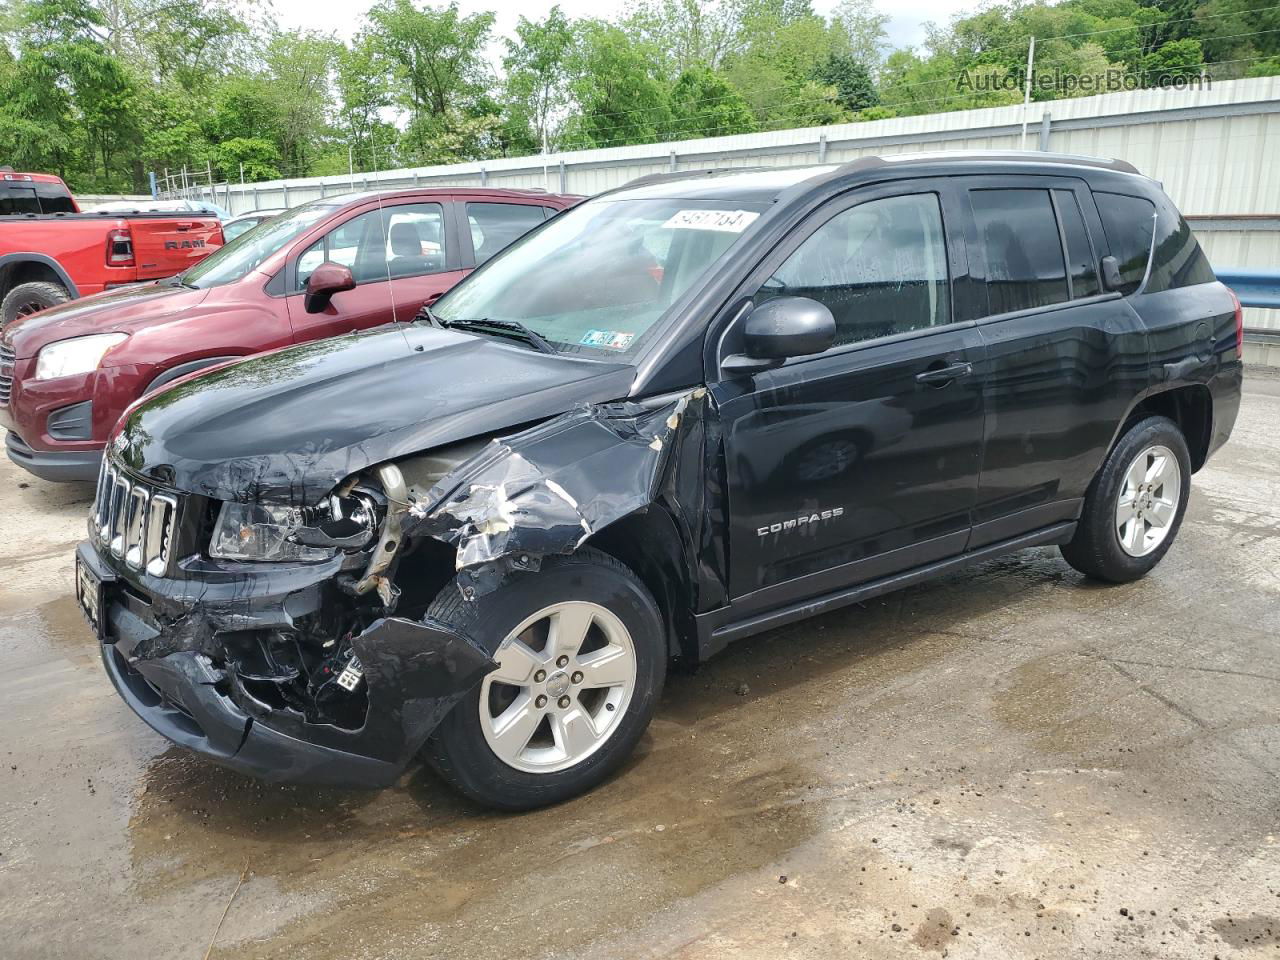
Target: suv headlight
x,y
258,531
64,358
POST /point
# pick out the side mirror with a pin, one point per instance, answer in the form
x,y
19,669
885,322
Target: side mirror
x,y
781,328
326,280
1111,279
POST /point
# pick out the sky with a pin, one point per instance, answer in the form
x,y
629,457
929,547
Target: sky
x,y
343,17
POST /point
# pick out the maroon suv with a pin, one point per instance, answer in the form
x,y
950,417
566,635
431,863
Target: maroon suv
x,y
326,267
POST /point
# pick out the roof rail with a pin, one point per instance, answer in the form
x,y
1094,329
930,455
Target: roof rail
x,y
1012,156
649,178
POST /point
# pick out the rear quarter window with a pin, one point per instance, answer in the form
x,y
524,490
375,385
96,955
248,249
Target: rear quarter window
x,y
1128,223
1178,260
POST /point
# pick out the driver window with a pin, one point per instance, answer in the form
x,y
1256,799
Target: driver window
x,y
401,241
356,244
879,267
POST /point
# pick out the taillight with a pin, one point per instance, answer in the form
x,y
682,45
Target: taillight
x,y
1239,326
119,247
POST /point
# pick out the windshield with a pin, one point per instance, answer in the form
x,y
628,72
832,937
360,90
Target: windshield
x,y
598,278
234,260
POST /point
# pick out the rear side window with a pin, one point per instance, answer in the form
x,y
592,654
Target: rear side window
x,y
1178,260
1018,233
498,225
1081,263
1128,222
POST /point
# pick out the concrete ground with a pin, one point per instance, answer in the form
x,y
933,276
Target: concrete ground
x,y
1006,763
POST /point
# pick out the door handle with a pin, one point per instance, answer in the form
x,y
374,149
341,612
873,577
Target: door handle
x,y
945,374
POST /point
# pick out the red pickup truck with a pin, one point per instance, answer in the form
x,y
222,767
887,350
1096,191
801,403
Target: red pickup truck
x,y
324,268
51,252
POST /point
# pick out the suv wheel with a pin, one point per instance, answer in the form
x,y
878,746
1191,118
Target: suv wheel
x,y
1135,504
581,655
28,298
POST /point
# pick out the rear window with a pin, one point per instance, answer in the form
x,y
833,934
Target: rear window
x,y
18,198
1128,223
54,198
1178,260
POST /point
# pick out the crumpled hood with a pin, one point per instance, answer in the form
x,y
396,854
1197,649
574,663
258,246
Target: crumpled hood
x,y
285,427
125,310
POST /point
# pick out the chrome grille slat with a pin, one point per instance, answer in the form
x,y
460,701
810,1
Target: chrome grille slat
x,y
7,360
133,521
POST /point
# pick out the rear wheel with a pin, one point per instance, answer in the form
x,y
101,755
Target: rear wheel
x,y
1134,508
581,656
28,298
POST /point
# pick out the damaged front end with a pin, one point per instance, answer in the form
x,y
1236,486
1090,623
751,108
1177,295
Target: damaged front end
x,y
282,669
266,636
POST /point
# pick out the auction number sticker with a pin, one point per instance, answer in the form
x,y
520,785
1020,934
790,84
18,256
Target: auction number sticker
x,y
723,221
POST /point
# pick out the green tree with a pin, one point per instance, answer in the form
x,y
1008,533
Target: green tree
x,y
854,87
437,55
537,80
616,86
704,104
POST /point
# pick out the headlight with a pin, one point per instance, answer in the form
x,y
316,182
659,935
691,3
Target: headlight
x,y
77,355
256,531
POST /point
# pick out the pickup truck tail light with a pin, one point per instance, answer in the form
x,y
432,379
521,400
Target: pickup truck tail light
x,y
1239,326
120,248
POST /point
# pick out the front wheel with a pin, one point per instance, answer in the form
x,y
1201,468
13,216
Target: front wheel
x,y
581,656
1135,504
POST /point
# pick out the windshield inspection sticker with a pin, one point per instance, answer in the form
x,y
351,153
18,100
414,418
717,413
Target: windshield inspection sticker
x,y
724,221
607,339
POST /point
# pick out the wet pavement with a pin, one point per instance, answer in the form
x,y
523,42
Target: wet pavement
x,y
1009,762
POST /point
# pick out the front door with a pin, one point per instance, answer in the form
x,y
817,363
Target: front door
x,y
864,460
399,255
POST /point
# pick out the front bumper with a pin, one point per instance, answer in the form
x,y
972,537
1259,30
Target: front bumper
x,y
165,668
60,466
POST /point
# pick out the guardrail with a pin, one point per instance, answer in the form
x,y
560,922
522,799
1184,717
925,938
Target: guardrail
x,y
1255,288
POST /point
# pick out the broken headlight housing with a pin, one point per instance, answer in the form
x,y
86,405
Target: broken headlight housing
x,y
260,531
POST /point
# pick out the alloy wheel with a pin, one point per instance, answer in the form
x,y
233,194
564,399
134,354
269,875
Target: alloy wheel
x,y
564,679
1148,500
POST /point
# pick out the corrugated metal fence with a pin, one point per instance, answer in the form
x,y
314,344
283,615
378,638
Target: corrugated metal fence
x,y
1214,149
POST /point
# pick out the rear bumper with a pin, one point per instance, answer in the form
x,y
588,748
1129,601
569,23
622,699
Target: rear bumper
x,y
59,465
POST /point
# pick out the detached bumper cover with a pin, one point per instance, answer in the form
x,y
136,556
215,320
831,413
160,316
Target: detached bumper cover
x,y
415,673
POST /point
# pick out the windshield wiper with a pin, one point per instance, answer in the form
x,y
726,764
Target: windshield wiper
x,y
508,328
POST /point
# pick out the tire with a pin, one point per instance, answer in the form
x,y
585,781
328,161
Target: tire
x,y
28,298
504,747
1103,547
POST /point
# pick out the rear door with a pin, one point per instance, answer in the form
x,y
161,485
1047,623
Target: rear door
x,y
862,461
168,243
1064,357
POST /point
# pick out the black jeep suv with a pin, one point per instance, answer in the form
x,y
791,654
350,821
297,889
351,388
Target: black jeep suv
x,y
690,409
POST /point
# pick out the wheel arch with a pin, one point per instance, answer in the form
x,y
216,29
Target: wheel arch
x,y
19,268
182,369
648,542
1189,405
